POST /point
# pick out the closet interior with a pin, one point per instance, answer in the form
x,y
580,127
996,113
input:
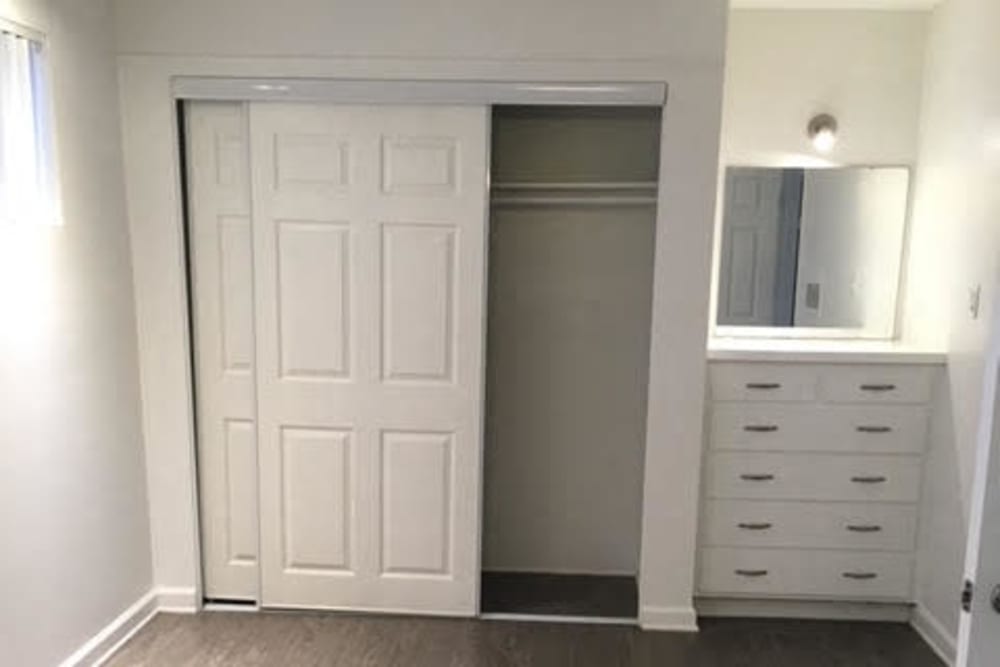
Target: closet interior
x,y
572,223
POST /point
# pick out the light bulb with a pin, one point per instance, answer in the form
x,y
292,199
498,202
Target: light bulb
x,y
825,140
822,131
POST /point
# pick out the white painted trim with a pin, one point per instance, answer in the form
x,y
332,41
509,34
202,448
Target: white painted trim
x,y
177,600
799,333
933,631
821,352
807,5
417,92
228,607
21,30
369,611
111,637
553,618
108,640
668,619
830,610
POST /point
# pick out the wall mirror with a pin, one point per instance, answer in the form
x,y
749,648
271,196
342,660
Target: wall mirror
x,y
811,252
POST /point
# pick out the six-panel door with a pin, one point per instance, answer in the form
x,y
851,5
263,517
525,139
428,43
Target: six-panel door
x,y
369,245
222,297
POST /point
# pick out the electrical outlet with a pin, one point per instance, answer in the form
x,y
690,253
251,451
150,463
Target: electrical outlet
x,y
975,296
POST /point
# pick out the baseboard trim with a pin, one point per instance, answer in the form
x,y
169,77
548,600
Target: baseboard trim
x,y
99,648
668,619
935,634
829,610
109,639
177,600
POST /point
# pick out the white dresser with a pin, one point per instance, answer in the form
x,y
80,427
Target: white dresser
x,y
812,479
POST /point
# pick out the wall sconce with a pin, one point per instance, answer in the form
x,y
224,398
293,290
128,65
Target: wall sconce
x,y
822,131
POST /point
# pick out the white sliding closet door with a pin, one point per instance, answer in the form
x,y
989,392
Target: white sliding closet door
x,y
369,246
222,272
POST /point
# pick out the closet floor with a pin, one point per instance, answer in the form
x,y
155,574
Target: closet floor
x,y
559,595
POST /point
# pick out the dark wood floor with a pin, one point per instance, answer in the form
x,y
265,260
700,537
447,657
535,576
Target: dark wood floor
x,y
304,639
560,595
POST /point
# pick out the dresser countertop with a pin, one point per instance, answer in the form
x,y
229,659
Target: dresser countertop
x,y
820,351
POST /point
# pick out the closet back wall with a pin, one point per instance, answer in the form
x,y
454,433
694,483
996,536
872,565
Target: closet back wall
x,y
568,351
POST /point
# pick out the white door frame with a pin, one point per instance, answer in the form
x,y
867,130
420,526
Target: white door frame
x,y
689,162
981,541
409,93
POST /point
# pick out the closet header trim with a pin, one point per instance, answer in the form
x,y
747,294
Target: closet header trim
x,y
356,91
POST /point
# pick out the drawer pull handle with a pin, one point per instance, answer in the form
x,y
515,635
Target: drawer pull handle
x,y
764,386
869,480
865,529
860,576
757,478
752,573
874,429
878,387
760,428
755,526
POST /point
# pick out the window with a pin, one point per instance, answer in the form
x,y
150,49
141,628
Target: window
x,y
28,186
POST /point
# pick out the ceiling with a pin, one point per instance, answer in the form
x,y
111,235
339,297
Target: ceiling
x,y
834,4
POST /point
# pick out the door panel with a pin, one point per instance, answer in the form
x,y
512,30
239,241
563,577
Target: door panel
x,y
314,298
416,475
241,486
418,318
979,625
222,299
316,473
369,245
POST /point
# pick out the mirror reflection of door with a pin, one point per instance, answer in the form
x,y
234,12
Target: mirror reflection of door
x,y
760,247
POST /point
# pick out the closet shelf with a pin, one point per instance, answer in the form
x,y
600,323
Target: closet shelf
x,y
602,193
574,201
581,185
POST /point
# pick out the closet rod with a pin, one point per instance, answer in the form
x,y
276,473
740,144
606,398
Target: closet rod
x,y
573,201
588,185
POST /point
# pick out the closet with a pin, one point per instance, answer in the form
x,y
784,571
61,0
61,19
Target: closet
x,y
572,226
420,338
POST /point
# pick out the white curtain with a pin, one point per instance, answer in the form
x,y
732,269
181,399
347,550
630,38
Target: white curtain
x,y
27,168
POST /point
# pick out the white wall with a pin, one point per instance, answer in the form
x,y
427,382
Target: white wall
x,y
785,66
677,41
74,522
514,29
955,244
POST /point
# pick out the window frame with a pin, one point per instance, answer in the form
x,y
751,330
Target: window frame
x,y
41,38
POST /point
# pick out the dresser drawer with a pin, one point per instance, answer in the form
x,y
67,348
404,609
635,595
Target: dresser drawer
x,y
741,523
820,428
778,476
763,382
876,384
800,573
